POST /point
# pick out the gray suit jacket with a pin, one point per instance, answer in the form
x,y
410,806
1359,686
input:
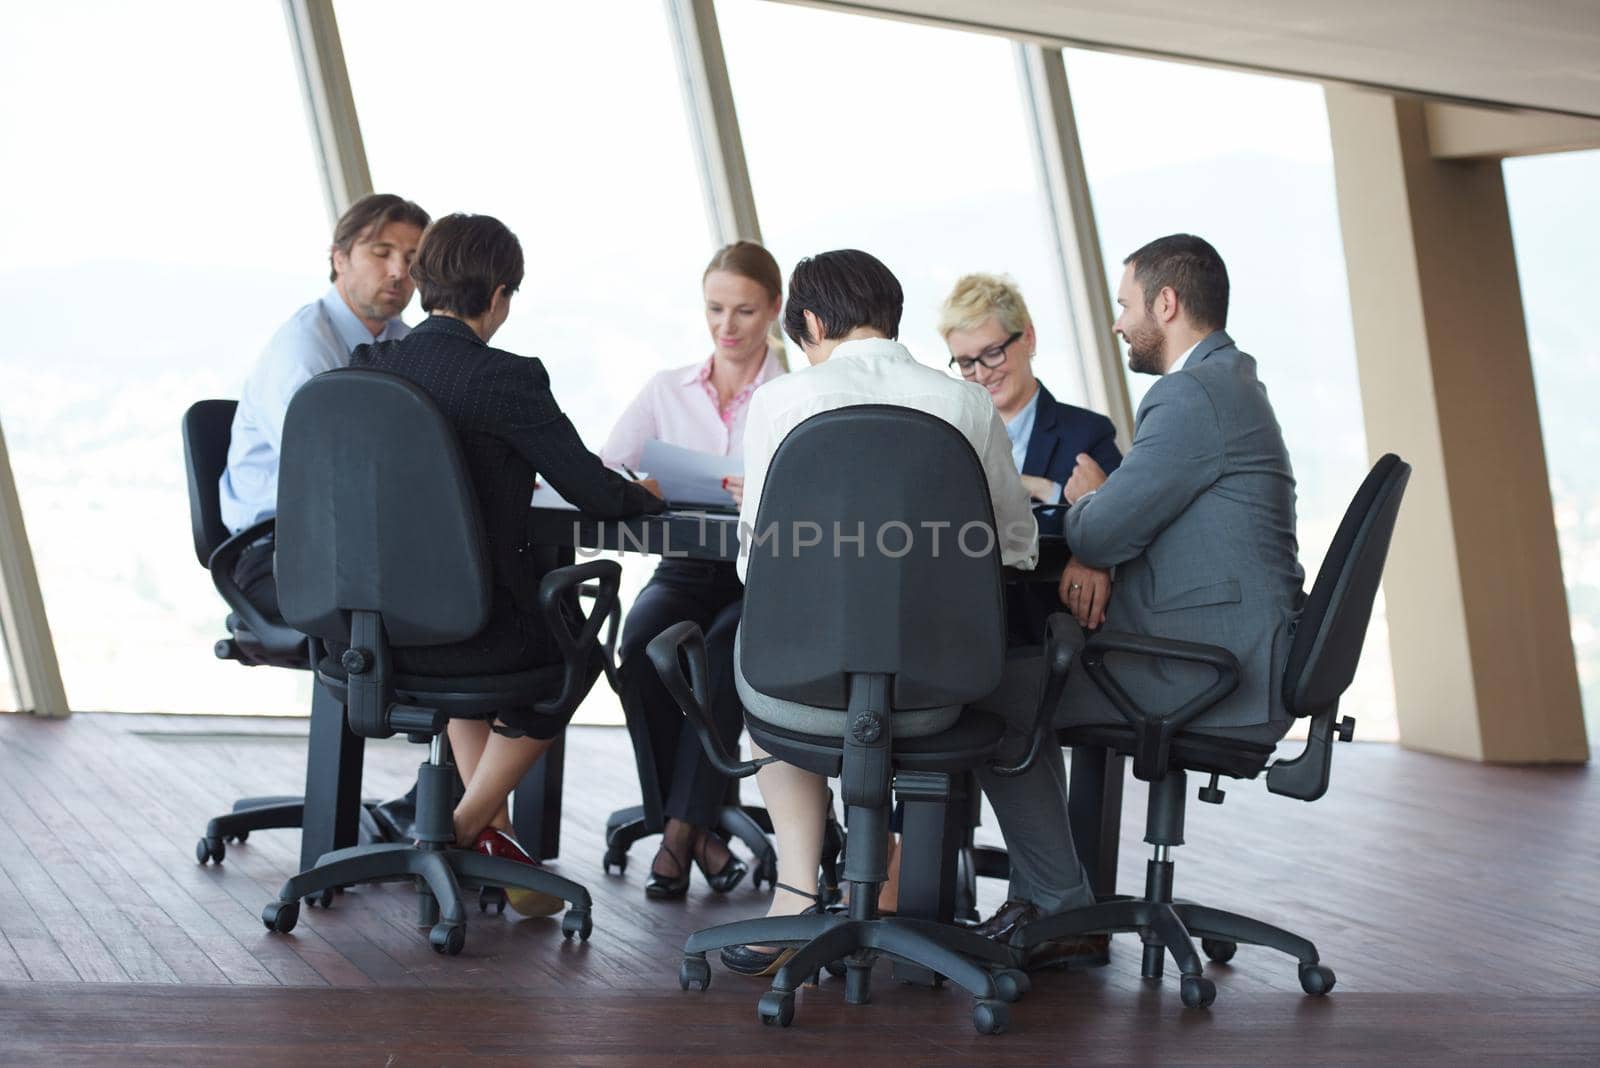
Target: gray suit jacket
x,y
1199,524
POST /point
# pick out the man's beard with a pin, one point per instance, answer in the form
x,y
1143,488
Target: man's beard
x,y
1145,347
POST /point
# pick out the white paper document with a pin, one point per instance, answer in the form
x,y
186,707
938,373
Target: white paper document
x,y
689,477
545,496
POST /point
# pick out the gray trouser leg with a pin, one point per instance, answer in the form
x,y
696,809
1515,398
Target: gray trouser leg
x,y
1032,807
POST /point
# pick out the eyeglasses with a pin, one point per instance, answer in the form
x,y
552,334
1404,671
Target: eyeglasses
x,y
991,357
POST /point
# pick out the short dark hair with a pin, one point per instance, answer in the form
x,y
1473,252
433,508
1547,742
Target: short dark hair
x,y
367,216
845,289
1194,271
463,259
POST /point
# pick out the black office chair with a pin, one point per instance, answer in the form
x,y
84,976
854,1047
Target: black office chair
x,y
380,545
253,638
1322,661
911,624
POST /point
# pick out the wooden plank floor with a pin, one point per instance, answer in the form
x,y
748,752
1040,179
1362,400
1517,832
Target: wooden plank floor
x,y
1459,904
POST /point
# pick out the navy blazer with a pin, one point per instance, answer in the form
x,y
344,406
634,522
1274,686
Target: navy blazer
x,y
1060,433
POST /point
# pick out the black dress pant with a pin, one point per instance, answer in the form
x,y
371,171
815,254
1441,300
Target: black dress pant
x,y
711,595
252,573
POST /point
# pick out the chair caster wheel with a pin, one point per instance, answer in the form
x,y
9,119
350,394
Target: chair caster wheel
x,y
1316,979
211,849
991,1017
1219,950
776,1007
281,916
694,971
616,857
1011,983
577,922
765,872
492,895
448,938
1197,991
325,899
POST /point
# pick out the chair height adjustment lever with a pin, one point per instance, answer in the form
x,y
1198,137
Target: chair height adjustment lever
x,y
1210,794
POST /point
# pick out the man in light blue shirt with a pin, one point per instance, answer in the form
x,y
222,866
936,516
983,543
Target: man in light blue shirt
x,y
374,244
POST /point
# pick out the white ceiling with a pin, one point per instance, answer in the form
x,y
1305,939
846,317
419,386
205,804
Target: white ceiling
x,y
1541,54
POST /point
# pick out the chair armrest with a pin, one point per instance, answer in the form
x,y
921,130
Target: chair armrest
x,y
684,643
613,624
1306,776
221,565
1153,732
1058,653
576,637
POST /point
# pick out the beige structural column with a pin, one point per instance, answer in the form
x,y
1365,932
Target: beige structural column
x,y
330,104
1073,233
1478,625
23,625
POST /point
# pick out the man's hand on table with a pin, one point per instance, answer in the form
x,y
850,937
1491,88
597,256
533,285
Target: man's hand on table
x,y
649,484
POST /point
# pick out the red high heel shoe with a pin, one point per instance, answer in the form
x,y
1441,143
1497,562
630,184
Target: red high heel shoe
x,y
496,842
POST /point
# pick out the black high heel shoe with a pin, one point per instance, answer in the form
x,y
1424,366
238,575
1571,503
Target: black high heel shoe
x,y
728,876
668,887
757,961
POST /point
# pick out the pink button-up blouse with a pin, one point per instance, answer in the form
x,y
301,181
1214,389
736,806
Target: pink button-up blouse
x,y
680,408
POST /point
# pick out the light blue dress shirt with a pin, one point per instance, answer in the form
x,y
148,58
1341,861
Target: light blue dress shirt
x,y
1020,429
319,337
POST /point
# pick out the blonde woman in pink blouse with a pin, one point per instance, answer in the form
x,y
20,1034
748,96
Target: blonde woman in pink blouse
x,y
702,407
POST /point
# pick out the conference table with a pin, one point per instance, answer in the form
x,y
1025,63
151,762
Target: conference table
x,y
333,812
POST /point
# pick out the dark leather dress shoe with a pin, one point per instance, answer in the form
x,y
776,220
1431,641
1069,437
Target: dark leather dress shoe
x,y
397,818
1074,951
1008,918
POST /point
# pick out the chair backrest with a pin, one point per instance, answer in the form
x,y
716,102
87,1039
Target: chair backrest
x,y
376,513
874,552
207,429
1333,623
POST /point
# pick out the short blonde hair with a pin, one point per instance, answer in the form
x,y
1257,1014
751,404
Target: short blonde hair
x,y
978,296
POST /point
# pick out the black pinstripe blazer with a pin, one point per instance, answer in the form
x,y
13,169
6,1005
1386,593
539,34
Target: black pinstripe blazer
x,y
511,430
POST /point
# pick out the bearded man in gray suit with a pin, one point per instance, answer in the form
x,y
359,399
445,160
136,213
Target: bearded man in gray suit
x,y
1198,530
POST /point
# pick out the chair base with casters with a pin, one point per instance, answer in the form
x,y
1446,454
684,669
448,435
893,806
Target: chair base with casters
x,y
1164,925
869,763
266,814
440,871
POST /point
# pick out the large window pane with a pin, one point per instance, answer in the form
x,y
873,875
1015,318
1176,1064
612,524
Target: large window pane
x,y
165,217
1245,162
905,141
1555,259
523,112
567,123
